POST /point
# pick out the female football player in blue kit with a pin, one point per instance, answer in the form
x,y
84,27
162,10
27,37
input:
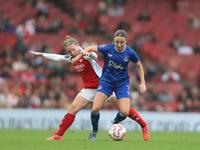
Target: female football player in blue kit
x,y
115,78
87,94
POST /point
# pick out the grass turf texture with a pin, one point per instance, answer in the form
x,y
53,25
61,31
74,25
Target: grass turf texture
x,y
76,140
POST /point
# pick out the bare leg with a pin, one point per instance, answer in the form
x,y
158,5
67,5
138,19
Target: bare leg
x,y
78,103
99,100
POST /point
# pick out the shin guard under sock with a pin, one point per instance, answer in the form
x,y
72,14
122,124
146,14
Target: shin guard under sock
x,y
66,123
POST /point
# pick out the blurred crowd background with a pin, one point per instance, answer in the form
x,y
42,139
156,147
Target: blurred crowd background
x,y
164,33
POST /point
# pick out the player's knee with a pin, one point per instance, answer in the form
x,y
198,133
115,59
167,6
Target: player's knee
x,y
95,109
124,113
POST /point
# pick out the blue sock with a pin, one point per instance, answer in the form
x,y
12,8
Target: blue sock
x,y
119,117
95,120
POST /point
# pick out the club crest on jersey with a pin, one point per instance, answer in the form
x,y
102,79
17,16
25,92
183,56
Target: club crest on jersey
x,y
110,55
100,87
126,58
102,46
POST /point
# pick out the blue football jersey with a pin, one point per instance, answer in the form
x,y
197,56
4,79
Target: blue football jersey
x,y
115,68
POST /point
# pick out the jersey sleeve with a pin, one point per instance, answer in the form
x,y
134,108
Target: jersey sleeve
x,y
134,57
67,58
56,57
94,56
102,48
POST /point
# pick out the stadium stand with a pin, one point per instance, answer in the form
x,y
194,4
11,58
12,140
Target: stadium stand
x,y
164,23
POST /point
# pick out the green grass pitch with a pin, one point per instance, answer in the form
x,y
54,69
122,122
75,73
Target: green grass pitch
x,y
78,140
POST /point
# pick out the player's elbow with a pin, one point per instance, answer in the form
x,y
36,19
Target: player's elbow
x,y
74,63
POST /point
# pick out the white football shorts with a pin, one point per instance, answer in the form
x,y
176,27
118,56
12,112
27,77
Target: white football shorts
x,y
89,94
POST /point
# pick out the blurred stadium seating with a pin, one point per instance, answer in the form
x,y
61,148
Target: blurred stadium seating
x,y
164,24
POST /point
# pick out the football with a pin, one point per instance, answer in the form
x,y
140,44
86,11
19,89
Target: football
x,y
117,132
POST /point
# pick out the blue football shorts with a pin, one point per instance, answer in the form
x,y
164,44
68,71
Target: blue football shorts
x,y
121,91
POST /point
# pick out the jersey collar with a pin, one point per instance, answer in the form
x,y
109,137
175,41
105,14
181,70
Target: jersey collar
x,y
80,49
120,51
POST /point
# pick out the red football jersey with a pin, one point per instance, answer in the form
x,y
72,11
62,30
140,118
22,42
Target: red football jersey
x,y
90,71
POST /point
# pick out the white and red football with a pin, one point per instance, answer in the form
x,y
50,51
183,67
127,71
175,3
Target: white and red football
x,y
117,132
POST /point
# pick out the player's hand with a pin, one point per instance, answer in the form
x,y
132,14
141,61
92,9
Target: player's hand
x,y
142,87
36,53
86,54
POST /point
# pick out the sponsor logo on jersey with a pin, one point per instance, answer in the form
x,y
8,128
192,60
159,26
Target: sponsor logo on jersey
x,y
113,64
126,58
102,46
110,55
80,68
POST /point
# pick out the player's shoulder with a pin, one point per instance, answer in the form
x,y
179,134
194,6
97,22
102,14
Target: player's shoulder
x,y
129,49
67,56
81,49
111,45
106,45
105,48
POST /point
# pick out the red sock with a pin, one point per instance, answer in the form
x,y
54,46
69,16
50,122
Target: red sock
x,y
136,117
66,123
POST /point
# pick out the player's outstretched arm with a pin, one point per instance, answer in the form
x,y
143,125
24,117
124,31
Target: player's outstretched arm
x,y
141,75
91,48
36,53
54,57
